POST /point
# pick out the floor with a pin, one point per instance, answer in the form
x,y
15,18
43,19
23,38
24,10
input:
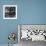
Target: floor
x,y
30,43
7,45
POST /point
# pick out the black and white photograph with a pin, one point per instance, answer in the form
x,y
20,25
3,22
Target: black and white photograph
x,y
9,11
31,34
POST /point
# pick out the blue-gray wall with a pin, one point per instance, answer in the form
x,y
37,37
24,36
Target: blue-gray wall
x,y
33,12
28,12
7,26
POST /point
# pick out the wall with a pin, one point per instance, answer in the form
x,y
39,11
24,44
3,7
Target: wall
x,y
34,12
7,26
28,12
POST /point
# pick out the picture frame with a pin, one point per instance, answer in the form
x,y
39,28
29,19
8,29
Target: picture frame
x,y
36,32
9,11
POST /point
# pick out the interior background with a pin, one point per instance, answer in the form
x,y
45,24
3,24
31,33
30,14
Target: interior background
x,y
28,12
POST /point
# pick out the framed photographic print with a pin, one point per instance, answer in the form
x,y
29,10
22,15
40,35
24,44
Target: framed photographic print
x,y
9,11
31,32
